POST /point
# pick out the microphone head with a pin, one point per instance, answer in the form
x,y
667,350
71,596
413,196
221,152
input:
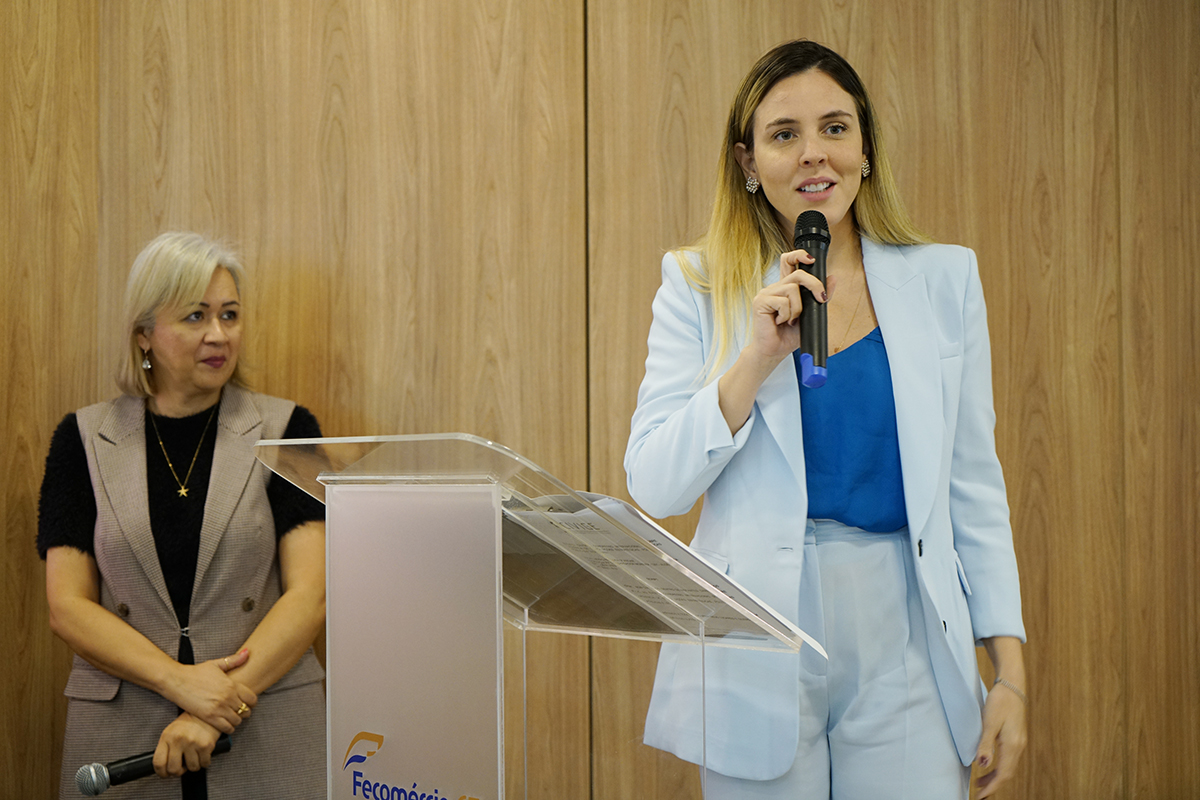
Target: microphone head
x,y
92,779
809,226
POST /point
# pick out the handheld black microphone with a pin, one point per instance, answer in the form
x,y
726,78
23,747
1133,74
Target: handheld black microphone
x,y
92,779
812,236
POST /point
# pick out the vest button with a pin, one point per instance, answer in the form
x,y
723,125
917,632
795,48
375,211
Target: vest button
x,y
248,604
122,610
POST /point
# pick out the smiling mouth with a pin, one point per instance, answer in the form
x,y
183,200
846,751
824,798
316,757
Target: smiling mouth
x,y
816,188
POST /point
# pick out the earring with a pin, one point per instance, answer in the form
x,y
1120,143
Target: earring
x,y
866,167
751,184
146,360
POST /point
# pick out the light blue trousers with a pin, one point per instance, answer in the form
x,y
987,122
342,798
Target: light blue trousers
x,y
871,722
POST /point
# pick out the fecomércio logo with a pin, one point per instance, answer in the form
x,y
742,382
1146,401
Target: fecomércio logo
x,y
362,736
364,786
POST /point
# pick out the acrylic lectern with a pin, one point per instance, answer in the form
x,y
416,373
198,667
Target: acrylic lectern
x,y
432,543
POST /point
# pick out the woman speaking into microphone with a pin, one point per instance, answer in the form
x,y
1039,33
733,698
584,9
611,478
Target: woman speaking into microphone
x,y
870,510
189,581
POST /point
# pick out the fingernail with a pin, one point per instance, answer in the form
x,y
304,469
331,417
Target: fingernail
x,y
824,297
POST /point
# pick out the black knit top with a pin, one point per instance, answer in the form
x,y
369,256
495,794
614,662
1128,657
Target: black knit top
x,y
67,506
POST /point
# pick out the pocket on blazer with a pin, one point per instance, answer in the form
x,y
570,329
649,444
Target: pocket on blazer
x,y
951,365
962,575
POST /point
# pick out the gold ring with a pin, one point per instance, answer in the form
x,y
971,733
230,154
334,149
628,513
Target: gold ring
x,y
243,709
226,663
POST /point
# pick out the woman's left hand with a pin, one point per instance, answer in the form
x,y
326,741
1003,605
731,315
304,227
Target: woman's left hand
x,y
185,745
1003,739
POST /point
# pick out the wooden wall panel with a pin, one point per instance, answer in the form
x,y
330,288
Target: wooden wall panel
x,y
1036,162
48,216
419,263
1158,102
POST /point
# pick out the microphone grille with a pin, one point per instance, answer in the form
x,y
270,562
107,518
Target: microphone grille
x,y
812,219
91,779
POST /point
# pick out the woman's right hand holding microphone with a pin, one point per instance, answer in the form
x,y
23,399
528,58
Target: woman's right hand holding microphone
x,y
774,335
775,328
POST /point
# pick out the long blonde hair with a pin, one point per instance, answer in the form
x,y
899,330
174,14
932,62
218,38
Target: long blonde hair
x,y
173,270
743,237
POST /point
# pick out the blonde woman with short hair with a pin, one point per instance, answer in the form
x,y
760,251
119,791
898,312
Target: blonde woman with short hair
x,y
189,581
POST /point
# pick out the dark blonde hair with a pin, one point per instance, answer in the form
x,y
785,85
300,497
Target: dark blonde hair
x,y
173,270
744,237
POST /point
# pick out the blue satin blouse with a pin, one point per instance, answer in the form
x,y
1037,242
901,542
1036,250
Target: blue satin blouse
x,y
851,449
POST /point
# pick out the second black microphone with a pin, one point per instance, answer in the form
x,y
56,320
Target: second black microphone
x,y
94,779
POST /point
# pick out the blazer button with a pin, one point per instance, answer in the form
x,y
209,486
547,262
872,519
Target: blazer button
x,y
248,604
122,610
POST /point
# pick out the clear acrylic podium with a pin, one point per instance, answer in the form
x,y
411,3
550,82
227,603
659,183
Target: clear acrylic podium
x,y
433,542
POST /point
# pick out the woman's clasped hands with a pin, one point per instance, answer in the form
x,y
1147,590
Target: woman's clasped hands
x,y
212,703
210,695
186,745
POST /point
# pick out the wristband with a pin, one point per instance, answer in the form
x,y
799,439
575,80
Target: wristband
x,y
1011,687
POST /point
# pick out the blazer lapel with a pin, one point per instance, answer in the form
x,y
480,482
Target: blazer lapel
x,y
778,403
233,464
121,462
906,321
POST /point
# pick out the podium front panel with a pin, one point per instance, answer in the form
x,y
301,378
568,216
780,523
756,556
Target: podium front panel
x,y
414,649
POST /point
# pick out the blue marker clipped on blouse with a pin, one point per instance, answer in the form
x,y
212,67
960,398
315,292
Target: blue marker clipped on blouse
x,y
812,236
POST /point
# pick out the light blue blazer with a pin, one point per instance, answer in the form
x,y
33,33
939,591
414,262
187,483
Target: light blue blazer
x,y
929,303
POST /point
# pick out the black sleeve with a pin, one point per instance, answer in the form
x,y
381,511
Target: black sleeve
x,y
291,506
67,506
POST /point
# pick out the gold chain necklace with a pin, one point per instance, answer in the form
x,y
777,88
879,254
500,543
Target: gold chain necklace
x,y
853,316
183,483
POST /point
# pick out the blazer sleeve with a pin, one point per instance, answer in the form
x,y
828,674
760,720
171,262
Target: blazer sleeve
x,y
979,511
679,441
